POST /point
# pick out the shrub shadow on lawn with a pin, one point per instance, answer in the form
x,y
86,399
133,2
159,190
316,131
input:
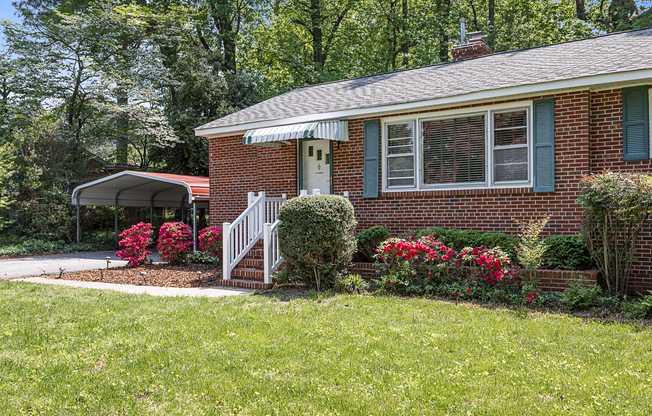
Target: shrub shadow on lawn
x,y
295,291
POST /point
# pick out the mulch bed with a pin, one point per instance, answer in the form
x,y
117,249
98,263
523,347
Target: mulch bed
x,y
162,275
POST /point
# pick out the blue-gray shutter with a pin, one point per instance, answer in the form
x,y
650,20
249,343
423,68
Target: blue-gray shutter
x,y
544,145
371,159
635,123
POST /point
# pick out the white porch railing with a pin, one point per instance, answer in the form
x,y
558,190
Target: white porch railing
x,y
242,234
272,253
258,221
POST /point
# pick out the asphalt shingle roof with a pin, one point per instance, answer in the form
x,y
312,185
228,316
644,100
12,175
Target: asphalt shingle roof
x,y
619,52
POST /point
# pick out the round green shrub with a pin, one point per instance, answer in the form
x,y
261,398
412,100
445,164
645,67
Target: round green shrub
x,y
368,241
566,252
316,236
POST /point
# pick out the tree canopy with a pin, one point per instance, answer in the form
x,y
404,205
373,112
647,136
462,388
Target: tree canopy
x,y
126,82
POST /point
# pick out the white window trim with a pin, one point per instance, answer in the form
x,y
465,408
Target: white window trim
x,y
488,112
387,156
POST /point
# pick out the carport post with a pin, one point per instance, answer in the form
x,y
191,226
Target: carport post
x,y
194,226
78,226
115,209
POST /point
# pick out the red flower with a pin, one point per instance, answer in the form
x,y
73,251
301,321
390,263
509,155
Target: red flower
x,y
468,290
389,282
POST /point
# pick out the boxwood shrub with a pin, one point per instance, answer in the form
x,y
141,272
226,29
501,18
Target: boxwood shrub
x,y
566,252
368,241
316,236
563,252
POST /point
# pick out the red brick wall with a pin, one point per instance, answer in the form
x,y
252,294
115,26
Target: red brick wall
x,y
588,137
481,209
607,153
236,169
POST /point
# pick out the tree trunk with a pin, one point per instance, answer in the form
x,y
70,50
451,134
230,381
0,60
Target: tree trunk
x,y
121,141
405,42
445,6
318,56
222,17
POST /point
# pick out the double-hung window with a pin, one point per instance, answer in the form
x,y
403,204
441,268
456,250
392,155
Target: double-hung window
x,y
510,153
400,154
488,148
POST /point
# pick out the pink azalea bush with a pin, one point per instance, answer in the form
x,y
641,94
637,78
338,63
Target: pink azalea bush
x,y
210,240
174,242
135,241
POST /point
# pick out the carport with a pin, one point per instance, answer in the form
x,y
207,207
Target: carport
x,y
144,189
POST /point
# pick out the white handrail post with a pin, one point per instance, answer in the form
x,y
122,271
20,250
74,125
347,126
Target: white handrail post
x,y
316,192
226,250
284,196
251,197
346,194
303,192
261,212
267,247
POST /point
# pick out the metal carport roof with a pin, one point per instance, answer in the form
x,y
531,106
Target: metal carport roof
x,y
144,189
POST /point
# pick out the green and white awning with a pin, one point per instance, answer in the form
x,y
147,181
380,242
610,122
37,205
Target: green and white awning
x,y
274,136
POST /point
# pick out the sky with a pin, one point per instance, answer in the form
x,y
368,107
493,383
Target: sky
x,y
6,13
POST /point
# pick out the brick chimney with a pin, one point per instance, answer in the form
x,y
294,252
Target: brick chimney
x,y
474,48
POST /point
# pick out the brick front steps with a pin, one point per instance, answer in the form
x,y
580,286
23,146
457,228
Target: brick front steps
x,y
249,273
553,280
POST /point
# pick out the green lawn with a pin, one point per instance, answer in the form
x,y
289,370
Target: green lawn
x,y
71,351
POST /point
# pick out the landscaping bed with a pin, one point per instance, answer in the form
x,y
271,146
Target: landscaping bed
x,y
161,275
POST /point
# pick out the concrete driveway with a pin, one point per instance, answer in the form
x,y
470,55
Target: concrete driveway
x,y
39,265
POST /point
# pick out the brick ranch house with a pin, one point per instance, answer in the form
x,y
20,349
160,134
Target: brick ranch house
x,y
470,144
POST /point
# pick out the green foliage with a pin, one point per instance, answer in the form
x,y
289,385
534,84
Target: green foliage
x,y
616,208
580,295
566,252
639,308
458,239
351,283
530,249
201,257
316,236
368,240
11,246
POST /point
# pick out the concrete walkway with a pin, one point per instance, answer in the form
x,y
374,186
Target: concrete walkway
x,y
40,265
210,292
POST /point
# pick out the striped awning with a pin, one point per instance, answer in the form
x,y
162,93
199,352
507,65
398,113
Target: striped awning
x,y
329,130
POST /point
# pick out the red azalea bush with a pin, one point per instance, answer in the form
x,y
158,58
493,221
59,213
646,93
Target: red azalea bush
x,y
174,242
135,241
488,265
210,240
426,265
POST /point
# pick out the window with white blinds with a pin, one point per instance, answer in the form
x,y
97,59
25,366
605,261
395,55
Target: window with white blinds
x,y
453,150
479,149
400,154
510,146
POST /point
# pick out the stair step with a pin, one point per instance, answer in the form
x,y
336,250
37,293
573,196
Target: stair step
x,y
252,263
245,284
248,273
255,253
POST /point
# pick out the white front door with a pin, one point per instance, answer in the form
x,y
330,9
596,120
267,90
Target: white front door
x,y
316,162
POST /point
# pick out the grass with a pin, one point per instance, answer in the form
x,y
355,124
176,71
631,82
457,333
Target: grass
x,y
73,351
11,246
